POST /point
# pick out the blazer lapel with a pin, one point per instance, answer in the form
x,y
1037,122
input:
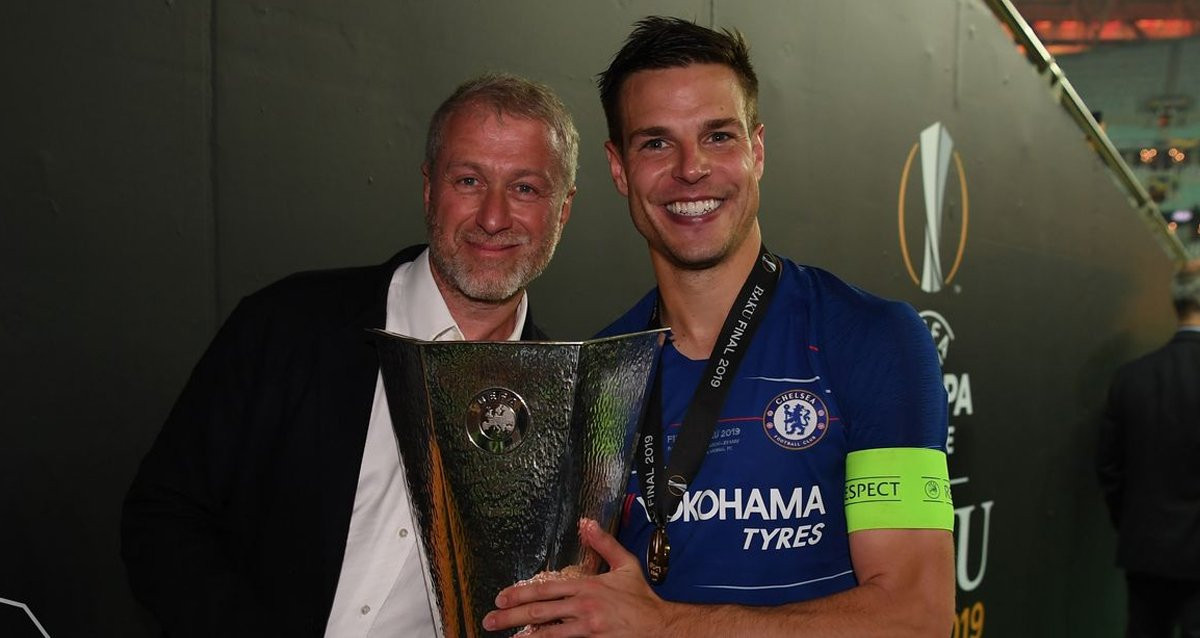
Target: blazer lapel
x,y
530,332
349,368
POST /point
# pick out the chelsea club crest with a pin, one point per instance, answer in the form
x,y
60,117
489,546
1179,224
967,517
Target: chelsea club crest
x,y
796,419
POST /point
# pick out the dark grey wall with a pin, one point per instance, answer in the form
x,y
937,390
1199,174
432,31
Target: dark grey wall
x,y
160,160
107,281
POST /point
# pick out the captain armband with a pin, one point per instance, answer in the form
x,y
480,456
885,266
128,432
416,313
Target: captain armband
x,y
898,488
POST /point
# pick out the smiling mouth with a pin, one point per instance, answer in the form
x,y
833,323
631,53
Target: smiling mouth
x,y
693,209
495,243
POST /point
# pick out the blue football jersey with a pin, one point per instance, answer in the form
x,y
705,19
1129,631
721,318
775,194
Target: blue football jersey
x,y
831,370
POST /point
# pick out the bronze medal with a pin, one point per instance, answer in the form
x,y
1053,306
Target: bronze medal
x,y
658,556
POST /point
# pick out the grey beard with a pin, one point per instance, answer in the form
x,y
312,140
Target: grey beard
x,y
495,289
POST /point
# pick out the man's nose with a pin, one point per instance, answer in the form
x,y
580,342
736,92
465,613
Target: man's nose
x,y
495,214
693,164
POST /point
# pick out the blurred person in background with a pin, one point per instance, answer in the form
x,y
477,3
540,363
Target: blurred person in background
x,y
1148,463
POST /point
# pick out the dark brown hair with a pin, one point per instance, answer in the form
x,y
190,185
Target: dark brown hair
x,y
659,42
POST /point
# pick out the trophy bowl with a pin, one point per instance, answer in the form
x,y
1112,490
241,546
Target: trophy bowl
x,y
505,446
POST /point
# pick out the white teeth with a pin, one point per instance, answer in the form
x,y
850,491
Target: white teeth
x,y
692,209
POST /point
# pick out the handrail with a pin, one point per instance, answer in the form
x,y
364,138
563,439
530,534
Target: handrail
x,y
1070,100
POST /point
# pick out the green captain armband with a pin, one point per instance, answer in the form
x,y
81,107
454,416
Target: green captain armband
x,y
898,488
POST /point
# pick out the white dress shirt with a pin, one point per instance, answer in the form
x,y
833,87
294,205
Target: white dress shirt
x,y
381,591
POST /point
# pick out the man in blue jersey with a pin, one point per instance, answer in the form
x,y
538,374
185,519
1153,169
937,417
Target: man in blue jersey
x,y
791,474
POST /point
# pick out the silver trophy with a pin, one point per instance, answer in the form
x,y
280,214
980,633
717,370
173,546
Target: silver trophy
x,y
505,446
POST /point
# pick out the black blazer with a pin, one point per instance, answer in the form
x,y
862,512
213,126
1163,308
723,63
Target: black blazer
x,y
1149,460
236,522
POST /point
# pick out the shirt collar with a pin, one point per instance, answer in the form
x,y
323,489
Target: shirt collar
x,y
416,307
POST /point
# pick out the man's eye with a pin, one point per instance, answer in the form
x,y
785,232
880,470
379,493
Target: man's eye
x,y
526,190
468,181
655,144
721,136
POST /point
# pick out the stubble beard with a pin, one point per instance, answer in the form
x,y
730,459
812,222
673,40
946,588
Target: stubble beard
x,y
485,284
682,259
697,262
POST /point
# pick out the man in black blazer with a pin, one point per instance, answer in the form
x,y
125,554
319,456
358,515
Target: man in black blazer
x,y
272,503
1149,468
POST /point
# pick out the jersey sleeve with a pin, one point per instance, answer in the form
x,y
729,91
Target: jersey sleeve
x,y
885,374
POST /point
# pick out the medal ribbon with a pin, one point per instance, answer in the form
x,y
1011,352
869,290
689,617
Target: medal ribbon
x,y
663,484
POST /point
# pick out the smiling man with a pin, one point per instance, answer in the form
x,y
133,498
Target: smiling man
x,y
791,473
273,502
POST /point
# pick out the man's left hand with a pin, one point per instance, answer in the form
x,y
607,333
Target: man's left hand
x,y
617,603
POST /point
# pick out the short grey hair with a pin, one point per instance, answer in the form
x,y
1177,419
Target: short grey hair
x,y
509,94
1185,288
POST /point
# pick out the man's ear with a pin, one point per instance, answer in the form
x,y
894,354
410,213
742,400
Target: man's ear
x,y
425,184
756,143
565,213
616,167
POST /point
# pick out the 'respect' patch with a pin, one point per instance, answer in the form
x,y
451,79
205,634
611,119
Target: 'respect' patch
x,y
796,419
898,488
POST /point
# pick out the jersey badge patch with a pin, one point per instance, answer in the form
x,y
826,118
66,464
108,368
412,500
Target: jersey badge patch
x,y
796,419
